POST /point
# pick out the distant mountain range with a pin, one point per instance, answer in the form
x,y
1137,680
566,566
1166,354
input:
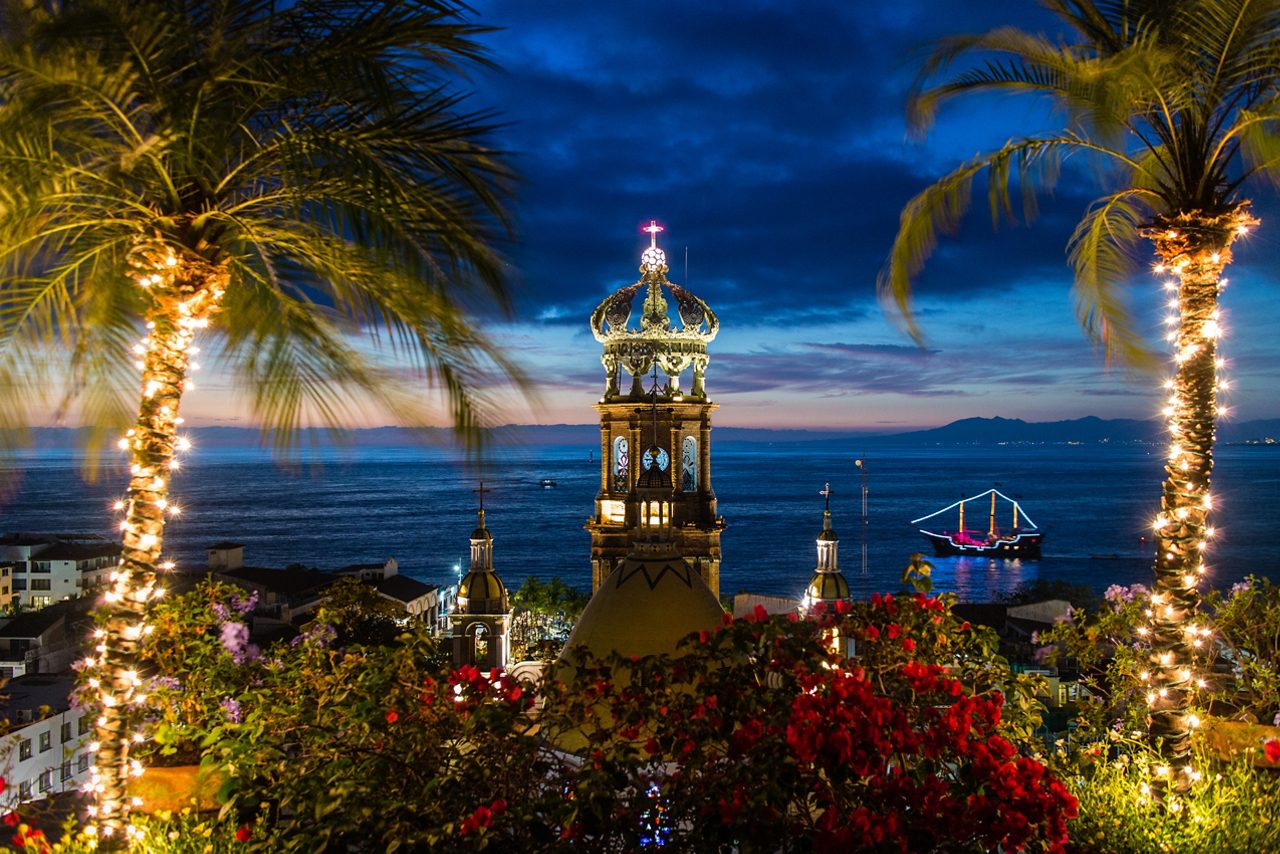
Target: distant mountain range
x,y
967,431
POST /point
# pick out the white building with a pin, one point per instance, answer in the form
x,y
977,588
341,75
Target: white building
x,y
47,568
46,749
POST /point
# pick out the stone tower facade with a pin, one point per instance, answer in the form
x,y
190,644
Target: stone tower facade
x,y
654,415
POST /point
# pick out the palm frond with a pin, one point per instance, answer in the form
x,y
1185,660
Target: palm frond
x,y
321,150
1102,253
941,205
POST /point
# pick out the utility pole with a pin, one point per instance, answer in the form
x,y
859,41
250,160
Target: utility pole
x,y
862,472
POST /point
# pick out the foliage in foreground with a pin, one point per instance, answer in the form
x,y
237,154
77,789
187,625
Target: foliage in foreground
x,y
1238,655
760,738
1235,808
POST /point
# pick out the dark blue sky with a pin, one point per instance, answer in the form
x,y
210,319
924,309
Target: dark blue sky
x,y
768,137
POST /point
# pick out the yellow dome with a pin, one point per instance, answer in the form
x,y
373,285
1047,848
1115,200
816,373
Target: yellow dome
x,y
645,607
828,587
482,592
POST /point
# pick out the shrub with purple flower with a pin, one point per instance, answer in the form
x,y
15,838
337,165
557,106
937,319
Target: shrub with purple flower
x,y
317,634
231,708
235,639
201,645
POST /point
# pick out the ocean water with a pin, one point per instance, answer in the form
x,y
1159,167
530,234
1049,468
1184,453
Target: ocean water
x,y
1094,503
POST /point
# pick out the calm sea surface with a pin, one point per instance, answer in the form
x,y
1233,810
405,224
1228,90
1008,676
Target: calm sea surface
x,y
1094,503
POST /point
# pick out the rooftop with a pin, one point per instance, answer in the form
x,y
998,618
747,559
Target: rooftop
x,y
35,690
403,588
79,551
293,581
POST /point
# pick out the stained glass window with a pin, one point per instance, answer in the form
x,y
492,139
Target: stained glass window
x,y
689,465
621,465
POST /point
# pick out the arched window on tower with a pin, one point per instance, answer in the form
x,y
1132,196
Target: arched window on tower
x,y
481,635
621,465
689,465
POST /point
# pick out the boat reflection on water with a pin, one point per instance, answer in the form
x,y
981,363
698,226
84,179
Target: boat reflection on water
x,y
980,579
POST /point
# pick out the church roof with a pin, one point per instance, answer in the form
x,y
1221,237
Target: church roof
x,y
646,606
482,592
828,587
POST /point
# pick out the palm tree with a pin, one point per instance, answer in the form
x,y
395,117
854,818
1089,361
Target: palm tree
x,y
1177,102
280,173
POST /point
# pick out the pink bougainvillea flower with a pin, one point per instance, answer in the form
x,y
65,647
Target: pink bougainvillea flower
x,y
1272,749
244,833
392,716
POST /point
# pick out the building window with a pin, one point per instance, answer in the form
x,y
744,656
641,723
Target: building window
x,y
42,584
66,771
24,749
689,465
66,731
46,741
41,601
621,465
85,724
41,566
46,780
19,584
82,764
24,790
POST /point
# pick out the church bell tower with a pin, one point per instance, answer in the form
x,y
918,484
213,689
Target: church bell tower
x,y
673,423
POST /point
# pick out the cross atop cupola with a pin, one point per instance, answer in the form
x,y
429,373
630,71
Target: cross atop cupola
x,y
653,259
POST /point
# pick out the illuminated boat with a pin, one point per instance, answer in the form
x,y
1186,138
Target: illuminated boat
x,y
1022,541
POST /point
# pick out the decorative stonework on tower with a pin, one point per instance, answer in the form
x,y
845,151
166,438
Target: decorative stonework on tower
x,y
479,624
683,417
828,584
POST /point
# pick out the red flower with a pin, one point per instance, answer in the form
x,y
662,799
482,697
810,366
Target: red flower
x,y
1272,749
651,746
704,636
894,630
478,820
244,833
11,819
392,716
872,633
908,644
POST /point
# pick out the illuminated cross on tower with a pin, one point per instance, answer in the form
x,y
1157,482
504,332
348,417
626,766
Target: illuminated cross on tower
x,y
653,228
826,492
481,490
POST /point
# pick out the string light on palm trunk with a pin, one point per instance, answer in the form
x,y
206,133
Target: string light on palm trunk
x,y
1195,252
182,295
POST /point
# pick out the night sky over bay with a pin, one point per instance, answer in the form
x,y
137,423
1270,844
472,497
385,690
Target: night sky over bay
x,y
769,138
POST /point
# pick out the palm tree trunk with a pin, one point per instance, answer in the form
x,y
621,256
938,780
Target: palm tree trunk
x,y
1195,247
183,295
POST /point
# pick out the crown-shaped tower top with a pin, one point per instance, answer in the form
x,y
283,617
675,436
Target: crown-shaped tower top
x,y
658,341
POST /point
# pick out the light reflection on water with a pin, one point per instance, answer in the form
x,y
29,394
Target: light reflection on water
x,y
418,506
